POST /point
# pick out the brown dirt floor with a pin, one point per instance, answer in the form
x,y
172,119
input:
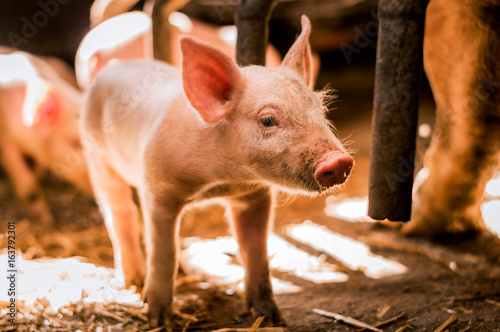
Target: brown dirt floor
x,y
426,297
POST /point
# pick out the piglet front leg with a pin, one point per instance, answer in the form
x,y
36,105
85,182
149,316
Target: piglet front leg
x,y
251,215
161,220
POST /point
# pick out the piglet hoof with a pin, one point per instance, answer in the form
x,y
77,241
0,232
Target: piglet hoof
x,y
269,309
159,306
159,313
134,274
135,278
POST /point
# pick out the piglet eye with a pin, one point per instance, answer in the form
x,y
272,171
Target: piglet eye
x,y
267,121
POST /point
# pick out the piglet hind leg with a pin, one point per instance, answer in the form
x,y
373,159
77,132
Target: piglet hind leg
x,y
252,214
114,197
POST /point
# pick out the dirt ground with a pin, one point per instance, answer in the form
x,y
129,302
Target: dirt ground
x,y
455,279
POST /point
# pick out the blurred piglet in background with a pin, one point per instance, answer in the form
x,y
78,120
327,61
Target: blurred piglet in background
x,y
39,110
212,130
40,103
118,39
129,36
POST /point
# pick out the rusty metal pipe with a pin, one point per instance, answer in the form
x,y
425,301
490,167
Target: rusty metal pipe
x,y
252,18
161,28
395,108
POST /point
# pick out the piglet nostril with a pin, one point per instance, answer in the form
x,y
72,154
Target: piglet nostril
x,y
347,172
334,168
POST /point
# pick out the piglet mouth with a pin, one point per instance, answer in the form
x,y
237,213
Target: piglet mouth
x,y
333,168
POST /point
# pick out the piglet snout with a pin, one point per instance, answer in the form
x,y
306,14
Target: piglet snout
x,y
333,168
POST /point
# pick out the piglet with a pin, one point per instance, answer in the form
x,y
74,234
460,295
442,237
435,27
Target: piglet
x,y
211,130
39,109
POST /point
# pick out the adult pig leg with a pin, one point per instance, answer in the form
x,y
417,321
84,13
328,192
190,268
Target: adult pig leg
x,y
466,86
114,197
450,198
251,215
25,182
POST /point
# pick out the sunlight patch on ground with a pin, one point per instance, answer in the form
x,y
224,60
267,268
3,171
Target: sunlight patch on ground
x,y
286,257
353,254
217,259
60,282
213,258
352,209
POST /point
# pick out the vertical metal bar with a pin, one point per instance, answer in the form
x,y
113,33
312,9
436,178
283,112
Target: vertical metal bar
x,y
395,108
161,28
252,18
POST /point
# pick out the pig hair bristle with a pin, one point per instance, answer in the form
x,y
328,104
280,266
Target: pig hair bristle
x,y
287,197
348,145
331,125
328,97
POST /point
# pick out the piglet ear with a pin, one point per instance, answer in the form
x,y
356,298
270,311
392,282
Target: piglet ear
x,y
211,79
41,105
299,58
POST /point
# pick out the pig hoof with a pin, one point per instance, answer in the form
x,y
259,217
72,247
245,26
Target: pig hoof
x,y
268,309
139,283
158,316
440,226
135,277
159,306
277,320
